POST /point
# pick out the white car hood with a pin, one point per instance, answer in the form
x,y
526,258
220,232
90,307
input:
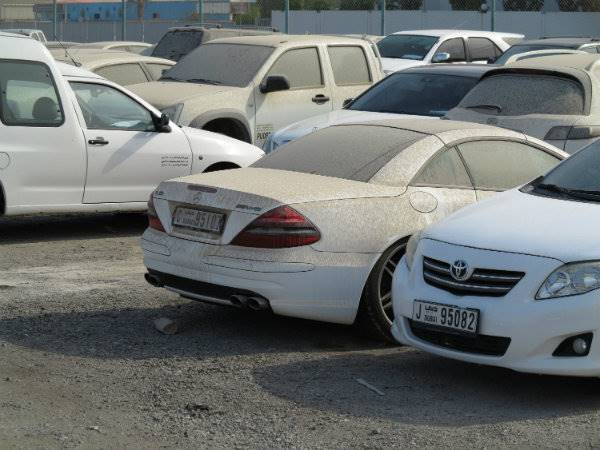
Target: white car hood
x,y
340,116
523,223
396,64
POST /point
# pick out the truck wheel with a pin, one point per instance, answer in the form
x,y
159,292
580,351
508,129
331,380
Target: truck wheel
x,y
375,313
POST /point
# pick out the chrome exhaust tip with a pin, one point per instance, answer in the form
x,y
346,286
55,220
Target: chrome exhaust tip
x,y
257,303
239,301
153,280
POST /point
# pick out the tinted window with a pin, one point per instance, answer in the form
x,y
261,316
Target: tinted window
x,y
516,49
349,65
406,46
156,70
300,66
415,93
29,96
580,171
355,152
501,165
177,43
123,74
455,48
137,49
228,64
482,49
516,95
105,108
446,169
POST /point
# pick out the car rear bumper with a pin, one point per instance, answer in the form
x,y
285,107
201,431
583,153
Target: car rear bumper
x,y
516,331
298,282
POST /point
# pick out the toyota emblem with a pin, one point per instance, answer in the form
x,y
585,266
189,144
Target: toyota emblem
x,y
460,270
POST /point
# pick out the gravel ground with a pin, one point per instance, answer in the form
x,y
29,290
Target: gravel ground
x,y
81,365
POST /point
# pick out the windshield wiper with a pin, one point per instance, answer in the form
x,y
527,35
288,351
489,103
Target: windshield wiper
x,y
485,106
574,193
163,78
203,80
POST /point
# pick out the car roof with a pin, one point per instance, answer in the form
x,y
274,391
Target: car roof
x,y
103,44
465,70
282,40
68,70
440,33
568,42
583,62
94,57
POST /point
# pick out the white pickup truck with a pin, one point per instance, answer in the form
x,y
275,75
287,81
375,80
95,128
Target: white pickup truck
x,y
73,141
247,87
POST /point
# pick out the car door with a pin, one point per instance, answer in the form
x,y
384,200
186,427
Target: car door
x,y
126,156
498,165
455,48
351,73
442,185
309,93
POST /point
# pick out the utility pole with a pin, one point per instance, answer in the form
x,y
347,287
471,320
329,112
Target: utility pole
x,y
287,16
493,18
201,11
382,17
124,20
54,20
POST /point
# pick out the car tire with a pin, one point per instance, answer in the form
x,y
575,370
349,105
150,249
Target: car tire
x,y
375,314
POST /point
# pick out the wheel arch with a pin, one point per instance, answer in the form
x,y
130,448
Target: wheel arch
x,y
241,127
222,165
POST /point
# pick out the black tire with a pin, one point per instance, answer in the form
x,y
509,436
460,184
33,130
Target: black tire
x,y
375,314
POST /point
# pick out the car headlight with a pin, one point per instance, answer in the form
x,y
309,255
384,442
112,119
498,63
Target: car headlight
x,y
174,112
571,279
411,248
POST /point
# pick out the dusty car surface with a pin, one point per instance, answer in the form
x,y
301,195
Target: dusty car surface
x,y
123,46
38,35
513,281
179,41
75,142
411,48
585,44
246,87
317,234
424,91
554,98
123,68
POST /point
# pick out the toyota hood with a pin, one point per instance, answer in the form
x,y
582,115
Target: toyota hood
x,y
523,223
162,94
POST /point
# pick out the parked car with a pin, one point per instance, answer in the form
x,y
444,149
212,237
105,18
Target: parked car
x,y
50,45
246,87
411,48
123,46
315,229
425,91
179,41
511,282
121,67
586,44
554,98
539,53
73,141
38,35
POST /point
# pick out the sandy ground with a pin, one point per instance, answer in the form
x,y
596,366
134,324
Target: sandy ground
x,y
81,365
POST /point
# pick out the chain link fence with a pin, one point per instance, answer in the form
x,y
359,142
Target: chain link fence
x,y
148,20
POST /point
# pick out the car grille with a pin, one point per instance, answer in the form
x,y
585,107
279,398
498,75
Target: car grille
x,y
479,344
483,282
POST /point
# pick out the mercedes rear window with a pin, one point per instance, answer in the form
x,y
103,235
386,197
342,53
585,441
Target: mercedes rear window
x,y
512,94
355,152
175,44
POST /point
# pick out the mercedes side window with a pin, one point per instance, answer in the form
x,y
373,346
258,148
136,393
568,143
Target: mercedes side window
x,y
445,169
29,95
105,108
301,67
482,49
455,48
501,165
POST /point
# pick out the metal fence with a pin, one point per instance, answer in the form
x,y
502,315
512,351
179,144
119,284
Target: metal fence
x,y
378,17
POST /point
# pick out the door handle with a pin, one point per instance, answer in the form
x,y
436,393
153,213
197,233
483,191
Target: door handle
x,y
98,141
319,99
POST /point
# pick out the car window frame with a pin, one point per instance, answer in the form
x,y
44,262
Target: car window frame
x,y
497,51
319,58
431,158
106,85
450,61
58,97
504,139
369,71
136,63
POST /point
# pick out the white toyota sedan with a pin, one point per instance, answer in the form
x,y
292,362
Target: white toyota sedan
x,y
513,281
316,229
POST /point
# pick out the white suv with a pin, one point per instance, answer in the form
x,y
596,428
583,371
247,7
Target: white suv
x,y
411,48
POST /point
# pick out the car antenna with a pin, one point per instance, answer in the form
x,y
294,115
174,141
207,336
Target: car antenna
x,y
67,54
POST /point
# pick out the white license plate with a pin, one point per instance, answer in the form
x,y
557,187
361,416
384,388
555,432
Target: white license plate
x,y
196,219
465,320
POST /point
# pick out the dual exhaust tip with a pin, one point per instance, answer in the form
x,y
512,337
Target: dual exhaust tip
x,y
251,302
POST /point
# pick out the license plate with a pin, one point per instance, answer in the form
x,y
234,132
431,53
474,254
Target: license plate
x,y
464,320
196,219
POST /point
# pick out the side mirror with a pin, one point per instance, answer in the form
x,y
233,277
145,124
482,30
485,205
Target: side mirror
x,y
347,103
440,57
274,83
162,123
